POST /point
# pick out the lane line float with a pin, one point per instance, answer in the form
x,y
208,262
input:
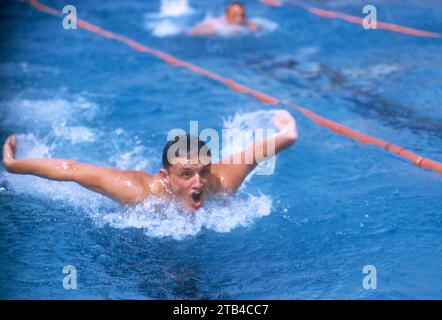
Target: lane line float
x,y
353,19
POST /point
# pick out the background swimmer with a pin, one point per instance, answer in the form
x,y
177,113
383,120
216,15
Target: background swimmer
x,y
234,18
186,180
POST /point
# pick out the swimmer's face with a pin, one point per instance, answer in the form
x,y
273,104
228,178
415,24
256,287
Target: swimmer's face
x,y
188,182
235,14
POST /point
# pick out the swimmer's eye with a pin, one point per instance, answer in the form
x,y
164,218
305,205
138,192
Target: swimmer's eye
x,y
186,174
205,172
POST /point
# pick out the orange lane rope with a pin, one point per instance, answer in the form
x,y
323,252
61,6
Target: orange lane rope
x,y
329,124
363,138
352,19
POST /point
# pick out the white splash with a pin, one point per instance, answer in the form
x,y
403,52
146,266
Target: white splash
x,y
74,134
56,117
246,123
28,146
51,112
164,28
135,159
175,8
160,219
166,22
260,119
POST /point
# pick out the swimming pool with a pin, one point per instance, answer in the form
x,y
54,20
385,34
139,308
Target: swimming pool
x,y
332,206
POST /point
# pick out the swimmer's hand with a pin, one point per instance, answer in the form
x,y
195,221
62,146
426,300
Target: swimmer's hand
x,y
9,152
285,124
254,27
203,29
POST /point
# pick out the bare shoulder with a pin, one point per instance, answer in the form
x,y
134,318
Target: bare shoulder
x,y
133,186
221,179
146,185
155,185
141,177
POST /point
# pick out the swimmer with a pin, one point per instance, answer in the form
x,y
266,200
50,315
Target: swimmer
x,y
186,180
235,16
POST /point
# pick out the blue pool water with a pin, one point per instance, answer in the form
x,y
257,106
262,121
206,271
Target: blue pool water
x,y
331,207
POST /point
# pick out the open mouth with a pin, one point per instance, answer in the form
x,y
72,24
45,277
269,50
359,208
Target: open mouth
x,y
196,196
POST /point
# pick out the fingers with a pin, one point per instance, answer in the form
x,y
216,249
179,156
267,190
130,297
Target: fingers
x,y
9,147
13,144
282,114
282,117
12,140
286,124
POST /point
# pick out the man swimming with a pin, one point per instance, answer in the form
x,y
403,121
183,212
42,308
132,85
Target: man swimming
x,y
235,16
185,179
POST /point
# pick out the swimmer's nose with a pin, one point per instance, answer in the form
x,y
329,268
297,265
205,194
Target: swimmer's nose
x,y
198,184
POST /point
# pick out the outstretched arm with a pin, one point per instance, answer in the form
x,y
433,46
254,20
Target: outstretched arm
x,y
202,29
232,175
124,186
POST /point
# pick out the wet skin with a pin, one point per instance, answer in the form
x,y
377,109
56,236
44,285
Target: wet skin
x,y
190,182
235,16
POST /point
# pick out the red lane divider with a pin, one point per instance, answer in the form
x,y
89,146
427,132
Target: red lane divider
x,y
352,19
329,124
366,139
275,3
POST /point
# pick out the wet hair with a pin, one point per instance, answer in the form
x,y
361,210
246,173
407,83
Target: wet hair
x,y
235,3
190,143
